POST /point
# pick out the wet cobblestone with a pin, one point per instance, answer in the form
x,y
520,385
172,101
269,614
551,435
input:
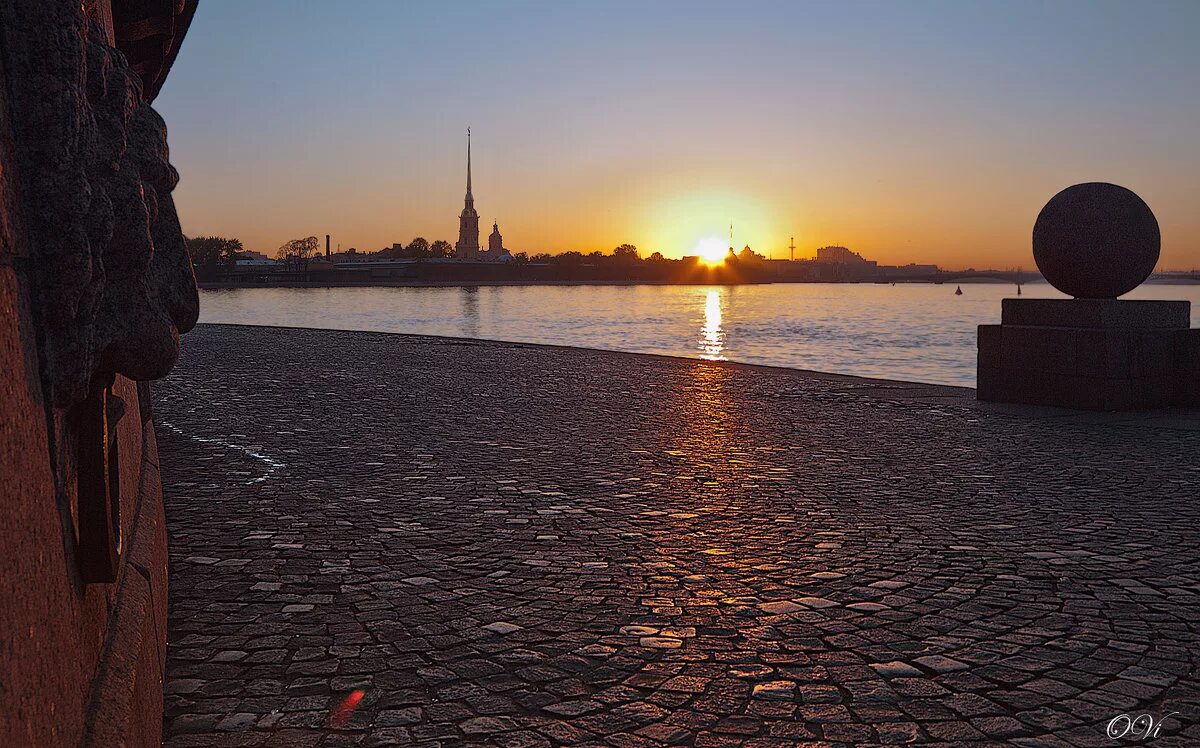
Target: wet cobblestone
x,y
512,545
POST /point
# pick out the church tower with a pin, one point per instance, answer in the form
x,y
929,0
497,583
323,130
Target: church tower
x,y
495,241
467,247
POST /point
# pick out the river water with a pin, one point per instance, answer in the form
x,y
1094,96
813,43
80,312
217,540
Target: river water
x,y
914,332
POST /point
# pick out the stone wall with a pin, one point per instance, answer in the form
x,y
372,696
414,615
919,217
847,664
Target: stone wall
x,y
95,289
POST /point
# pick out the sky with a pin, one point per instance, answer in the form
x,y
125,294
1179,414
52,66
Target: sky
x,y
908,131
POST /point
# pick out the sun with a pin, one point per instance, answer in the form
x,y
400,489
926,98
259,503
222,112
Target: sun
x,y
711,249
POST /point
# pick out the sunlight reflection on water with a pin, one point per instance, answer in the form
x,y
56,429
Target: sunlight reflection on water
x,y
712,337
916,332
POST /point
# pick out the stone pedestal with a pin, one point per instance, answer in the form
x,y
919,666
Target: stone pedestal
x,y
1092,354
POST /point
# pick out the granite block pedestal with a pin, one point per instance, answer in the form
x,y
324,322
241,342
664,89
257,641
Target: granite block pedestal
x,y
1091,354
1095,241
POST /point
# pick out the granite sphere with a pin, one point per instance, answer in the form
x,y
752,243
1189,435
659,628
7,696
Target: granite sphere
x,y
1096,241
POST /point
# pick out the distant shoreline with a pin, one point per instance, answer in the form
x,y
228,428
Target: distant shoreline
x,y
416,283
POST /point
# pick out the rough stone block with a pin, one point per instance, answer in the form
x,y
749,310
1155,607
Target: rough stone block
x,y
1187,367
1108,314
1049,349
1093,368
1152,355
1097,355
989,347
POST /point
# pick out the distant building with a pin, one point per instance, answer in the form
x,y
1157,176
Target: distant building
x,y
836,263
250,259
913,268
496,251
495,241
834,255
467,247
350,255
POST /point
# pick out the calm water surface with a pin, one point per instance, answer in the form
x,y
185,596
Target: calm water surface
x,y
921,333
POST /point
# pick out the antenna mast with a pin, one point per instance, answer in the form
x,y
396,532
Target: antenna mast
x,y
792,250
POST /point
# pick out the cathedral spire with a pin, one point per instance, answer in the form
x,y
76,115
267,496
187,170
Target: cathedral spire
x,y
467,247
470,199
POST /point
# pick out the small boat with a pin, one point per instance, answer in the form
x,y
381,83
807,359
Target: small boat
x,y
958,291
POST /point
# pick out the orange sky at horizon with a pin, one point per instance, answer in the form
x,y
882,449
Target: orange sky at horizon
x,y
982,224
906,132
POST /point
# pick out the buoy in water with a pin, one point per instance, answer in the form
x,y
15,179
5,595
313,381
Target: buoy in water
x,y
958,291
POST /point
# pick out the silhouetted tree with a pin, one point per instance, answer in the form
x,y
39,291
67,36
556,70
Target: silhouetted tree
x,y
297,252
656,257
626,254
418,247
212,255
441,248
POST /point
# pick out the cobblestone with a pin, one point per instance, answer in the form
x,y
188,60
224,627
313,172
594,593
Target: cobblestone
x,y
391,540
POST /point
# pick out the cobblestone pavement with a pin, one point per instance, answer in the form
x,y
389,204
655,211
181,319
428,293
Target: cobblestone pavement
x,y
501,544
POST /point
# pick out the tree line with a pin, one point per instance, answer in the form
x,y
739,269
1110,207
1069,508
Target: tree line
x,y
626,254
213,255
418,248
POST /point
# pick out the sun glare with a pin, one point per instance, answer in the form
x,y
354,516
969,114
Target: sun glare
x,y
694,221
711,249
